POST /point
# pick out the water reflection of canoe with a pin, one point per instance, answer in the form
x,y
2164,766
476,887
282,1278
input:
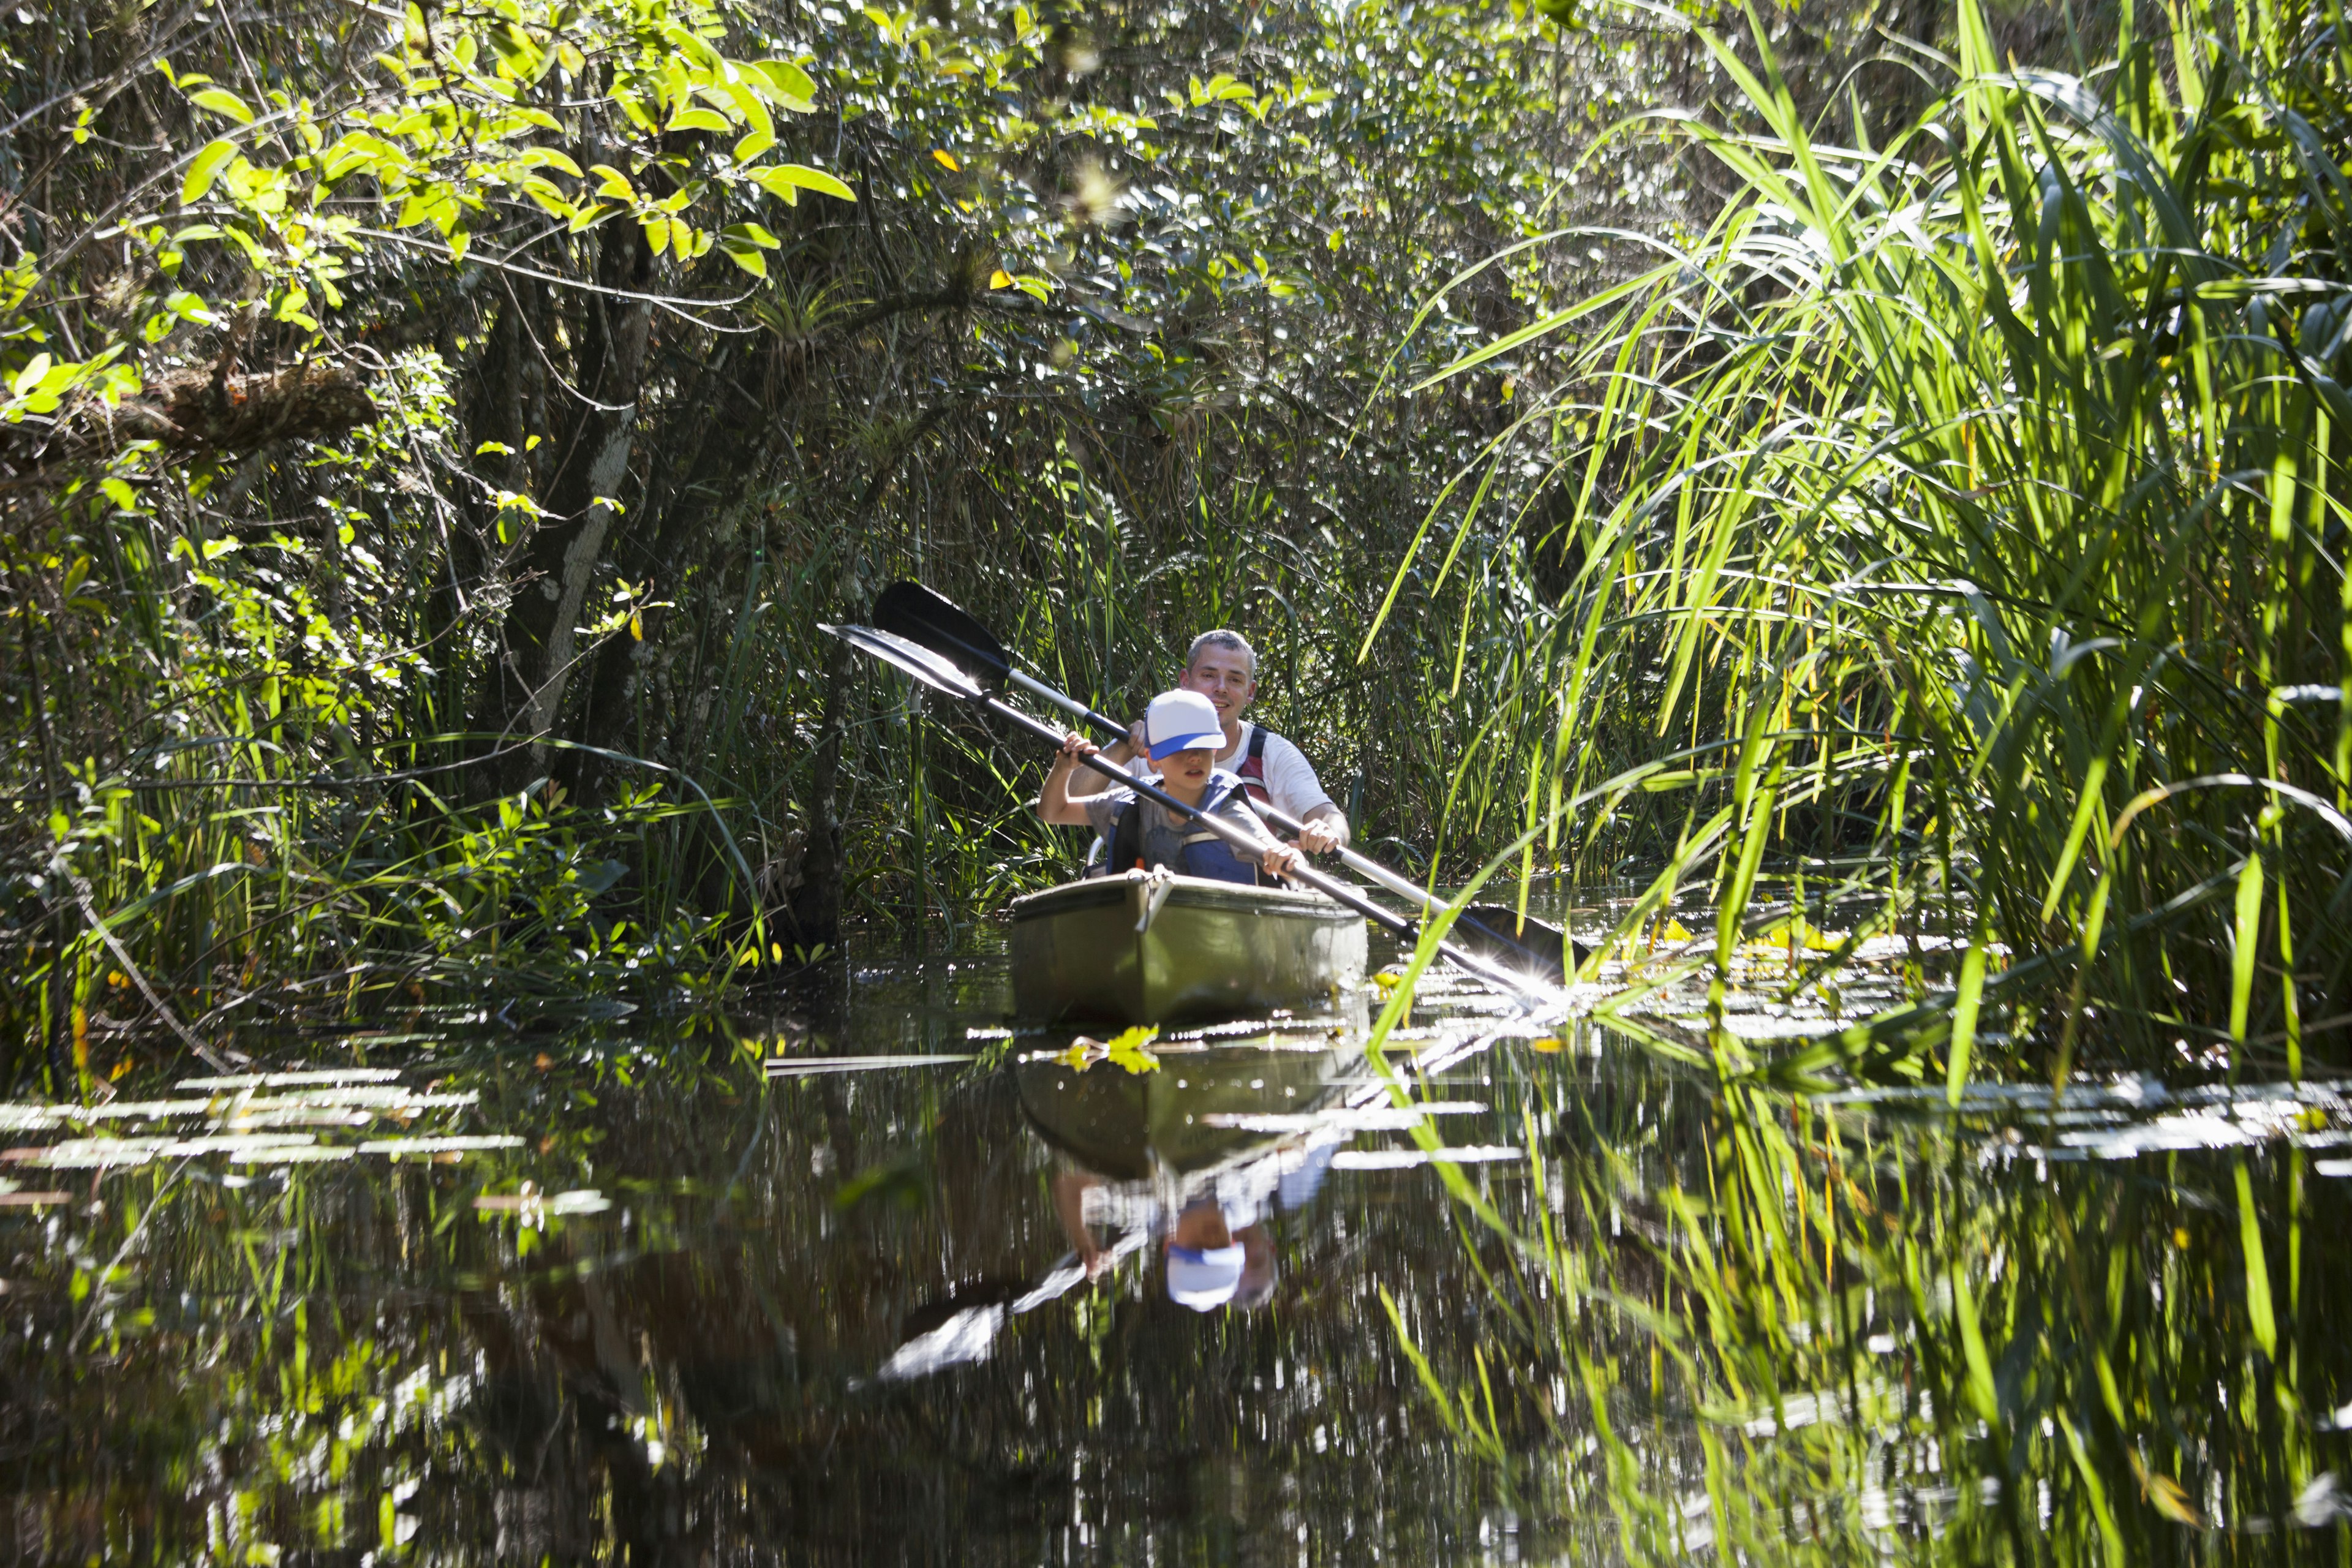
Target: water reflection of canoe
x,y
1150,950
1114,1124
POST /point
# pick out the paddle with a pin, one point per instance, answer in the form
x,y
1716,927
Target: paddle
x,y
919,616
938,673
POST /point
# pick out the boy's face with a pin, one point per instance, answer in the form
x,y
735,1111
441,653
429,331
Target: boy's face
x,y
1188,771
1222,676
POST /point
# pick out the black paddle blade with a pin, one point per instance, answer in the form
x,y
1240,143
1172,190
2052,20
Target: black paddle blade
x,y
920,662
911,611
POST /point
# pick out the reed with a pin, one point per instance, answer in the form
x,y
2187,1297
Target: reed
x,y
1957,521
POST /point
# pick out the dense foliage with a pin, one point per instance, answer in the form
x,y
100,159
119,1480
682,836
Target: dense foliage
x,y
433,442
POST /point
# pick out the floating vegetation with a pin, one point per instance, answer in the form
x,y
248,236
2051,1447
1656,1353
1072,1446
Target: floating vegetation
x,y
1366,1119
233,1116
14,1197
532,1207
1129,1049
811,1067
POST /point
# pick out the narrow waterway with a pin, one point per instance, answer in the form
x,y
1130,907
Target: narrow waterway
x,y
442,1295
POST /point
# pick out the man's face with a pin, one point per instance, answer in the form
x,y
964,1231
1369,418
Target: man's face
x,y
1222,676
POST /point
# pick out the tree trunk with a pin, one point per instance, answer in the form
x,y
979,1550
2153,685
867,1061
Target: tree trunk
x,y
692,487
542,639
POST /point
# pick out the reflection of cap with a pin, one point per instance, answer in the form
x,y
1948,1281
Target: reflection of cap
x,y
1203,1278
1180,720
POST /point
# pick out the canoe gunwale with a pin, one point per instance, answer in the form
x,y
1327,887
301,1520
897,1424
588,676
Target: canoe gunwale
x,y
1183,892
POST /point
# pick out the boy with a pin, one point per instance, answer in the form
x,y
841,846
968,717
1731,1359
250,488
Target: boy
x,y
1183,734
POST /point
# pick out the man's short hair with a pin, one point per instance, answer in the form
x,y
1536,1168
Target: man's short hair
x,y
1220,637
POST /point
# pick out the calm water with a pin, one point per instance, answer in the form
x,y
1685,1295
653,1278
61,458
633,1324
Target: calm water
x,y
624,1295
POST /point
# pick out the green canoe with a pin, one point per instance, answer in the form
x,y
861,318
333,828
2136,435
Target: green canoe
x,y
1145,949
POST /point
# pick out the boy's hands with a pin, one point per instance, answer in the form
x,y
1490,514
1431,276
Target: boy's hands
x,y
1053,802
1279,861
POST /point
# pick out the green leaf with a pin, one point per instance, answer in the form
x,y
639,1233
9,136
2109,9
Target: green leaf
x,y
548,158
754,144
2101,1510
221,101
788,175
1128,1049
633,107
1979,1385
190,307
545,193
746,257
2246,944
1964,1019
2264,1320
206,168
698,119
737,97
751,234
30,376
783,82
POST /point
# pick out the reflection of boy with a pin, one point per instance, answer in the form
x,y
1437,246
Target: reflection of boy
x,y
1205,1263
1220,1251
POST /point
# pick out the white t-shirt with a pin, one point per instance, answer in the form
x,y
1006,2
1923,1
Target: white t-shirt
x,y
1289,778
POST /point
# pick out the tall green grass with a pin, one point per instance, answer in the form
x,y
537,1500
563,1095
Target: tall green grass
x,y
1962,520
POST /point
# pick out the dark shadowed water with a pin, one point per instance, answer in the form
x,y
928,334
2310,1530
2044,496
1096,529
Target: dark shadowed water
x,y
626,1294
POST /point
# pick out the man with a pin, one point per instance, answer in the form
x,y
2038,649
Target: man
x,y
1222,667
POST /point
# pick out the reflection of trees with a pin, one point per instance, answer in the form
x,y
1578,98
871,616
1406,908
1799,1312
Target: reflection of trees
x,y
358,1345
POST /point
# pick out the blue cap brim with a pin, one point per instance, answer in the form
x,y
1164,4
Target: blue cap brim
x,y
1213,741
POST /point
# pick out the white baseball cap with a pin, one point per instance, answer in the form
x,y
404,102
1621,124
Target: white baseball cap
x,y
1180,720
1203,1278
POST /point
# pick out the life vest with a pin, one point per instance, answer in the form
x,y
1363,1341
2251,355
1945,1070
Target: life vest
x,y
1199,852
1250,769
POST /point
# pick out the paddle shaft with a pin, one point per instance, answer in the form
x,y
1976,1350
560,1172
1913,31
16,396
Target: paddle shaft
x,y
1305,875
1402,887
